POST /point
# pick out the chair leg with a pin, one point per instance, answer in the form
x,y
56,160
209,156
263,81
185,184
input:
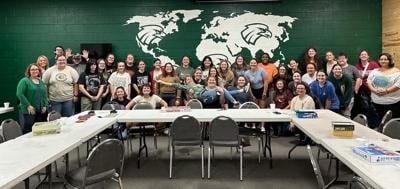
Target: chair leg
x,y
170,160
231,154
26,181
120,183
155,141
56,168
209,162
241,162
78,156
202,161
259,149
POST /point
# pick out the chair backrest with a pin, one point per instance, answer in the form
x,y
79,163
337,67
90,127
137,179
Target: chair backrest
x,y
392,128
224,131
385,119
53,115
316,168
358,183
111,106
143,106
249,105
195,104
10,129
186,128
107,156
361,119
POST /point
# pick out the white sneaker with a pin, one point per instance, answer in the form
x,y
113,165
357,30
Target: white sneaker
x,y
166,131
263,129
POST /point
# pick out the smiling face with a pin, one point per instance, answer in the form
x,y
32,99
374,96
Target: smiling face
x,y
198,74
241,81
157,64
293,64
279,85
310,69
384,61
168,68
34,71
301,90
311,53
146,90
207,63
296,77
253,64
120,93
337,71
61,62
265,58
213,72
321,77
329,56
93,68
42,62
110,59
342,60
102,65
211,82
121,67
239,60
185,61
130,59
364,56
142,65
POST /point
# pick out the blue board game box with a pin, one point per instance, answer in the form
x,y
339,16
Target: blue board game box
x,y
376,154
306,114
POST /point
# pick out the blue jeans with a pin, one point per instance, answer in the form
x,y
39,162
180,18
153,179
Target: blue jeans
x,y
210,96
27,120
65,108
170,98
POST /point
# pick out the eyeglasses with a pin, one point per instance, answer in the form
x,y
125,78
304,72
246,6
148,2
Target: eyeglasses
x,y
383,59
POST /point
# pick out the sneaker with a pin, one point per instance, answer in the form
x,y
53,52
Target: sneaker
x,y
246,88
263,129
236,105
166,131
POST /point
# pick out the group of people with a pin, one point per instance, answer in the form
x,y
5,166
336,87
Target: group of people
x,y
69,83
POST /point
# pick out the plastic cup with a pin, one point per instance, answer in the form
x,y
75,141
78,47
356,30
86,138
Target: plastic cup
x,y
272,106
6,104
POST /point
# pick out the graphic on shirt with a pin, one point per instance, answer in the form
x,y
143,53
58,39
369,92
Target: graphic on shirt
x,y
61,77
381,81
92,84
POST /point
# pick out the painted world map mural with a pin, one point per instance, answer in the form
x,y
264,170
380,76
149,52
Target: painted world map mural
x,y
220,36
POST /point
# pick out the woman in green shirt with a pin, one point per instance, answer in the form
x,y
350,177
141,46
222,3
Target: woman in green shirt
x,y
32,96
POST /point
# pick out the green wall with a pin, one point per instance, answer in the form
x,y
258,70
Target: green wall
x,y
32,28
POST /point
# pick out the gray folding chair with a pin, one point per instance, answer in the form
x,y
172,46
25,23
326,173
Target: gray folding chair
x,y
316,168
142,130
105,161
195,104
111,106
53,115
358,183
392,128
185,131
115,130
11,129
385,119
361,119
255,132
224,132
